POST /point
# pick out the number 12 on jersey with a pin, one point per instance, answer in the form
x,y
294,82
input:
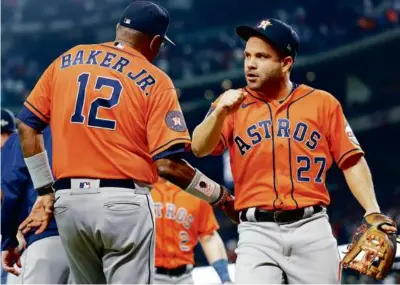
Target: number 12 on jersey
x,y
93,120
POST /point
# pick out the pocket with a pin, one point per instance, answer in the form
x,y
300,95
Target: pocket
x,y
58,210
122,205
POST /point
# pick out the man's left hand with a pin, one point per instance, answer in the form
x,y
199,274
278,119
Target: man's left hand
x,y
40,216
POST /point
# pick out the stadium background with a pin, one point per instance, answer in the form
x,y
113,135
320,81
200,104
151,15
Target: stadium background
x,y
348,47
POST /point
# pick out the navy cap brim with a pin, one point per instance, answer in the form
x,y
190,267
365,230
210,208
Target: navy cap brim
x,y
167,39
246,32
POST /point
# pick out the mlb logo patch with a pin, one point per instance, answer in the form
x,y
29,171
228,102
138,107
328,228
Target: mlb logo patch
x,y
84,185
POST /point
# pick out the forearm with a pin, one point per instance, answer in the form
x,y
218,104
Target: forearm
x,y
359,180
213,247
182,174
31,141
207,135
215,253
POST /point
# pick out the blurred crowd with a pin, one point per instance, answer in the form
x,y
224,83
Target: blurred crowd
x,y
206,43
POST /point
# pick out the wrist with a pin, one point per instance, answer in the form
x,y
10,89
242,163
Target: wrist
x,y
39,170
221,112
372,209
221,267
204,188
45,190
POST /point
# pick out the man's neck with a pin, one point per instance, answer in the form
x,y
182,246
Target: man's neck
x,y
278,92
133,45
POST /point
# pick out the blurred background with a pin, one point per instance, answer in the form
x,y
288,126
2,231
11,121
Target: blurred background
x,y
348,47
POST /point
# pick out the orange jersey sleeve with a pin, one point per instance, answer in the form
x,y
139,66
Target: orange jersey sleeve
x,y
342,142
226,133
39,100
208,223
166,125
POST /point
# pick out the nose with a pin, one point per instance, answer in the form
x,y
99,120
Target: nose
x,y
251,63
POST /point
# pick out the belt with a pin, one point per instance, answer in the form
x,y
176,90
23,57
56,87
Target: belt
x,y
177,271
65,183
280,217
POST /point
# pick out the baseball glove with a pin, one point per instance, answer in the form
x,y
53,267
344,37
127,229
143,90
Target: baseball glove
x,y
372,250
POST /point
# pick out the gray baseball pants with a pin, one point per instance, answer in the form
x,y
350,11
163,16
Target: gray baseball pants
x,y
301,252
108,233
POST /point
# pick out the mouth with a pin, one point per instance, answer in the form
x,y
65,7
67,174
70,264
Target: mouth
x,y
251,77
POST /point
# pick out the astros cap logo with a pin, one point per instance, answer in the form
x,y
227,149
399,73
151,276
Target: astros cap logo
x,y
264,24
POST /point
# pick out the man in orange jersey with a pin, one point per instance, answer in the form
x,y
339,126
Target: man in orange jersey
x,y
282,138
116,125
182,220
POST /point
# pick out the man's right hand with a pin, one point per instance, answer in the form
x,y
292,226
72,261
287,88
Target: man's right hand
x,y
230,100
10,257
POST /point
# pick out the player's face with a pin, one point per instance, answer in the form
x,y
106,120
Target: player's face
x,y
262,64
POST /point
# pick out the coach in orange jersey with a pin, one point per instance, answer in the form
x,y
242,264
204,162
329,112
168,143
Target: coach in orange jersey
x,y
282,137
182,221
116,125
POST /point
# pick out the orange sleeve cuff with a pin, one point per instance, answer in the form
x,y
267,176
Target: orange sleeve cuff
x,y
348,154
170,143
35,111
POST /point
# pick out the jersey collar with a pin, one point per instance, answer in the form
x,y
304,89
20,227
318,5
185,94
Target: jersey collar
x,y
125,48
298,90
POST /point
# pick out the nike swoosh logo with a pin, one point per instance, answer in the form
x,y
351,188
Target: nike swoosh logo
x,y
244,105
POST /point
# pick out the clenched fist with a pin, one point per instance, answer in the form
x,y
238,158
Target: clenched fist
x,y
231,99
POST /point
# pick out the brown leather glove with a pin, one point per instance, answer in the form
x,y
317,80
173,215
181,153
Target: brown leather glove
x,y
372,251
226,204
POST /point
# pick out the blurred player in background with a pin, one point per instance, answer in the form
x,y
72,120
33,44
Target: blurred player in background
x,y
43,258
116,122
282,138
182,221
8,127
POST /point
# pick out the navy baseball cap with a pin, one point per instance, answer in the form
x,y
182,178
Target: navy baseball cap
x,y
278,33
7,121
147,17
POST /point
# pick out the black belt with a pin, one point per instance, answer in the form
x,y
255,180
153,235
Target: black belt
x,y
280,217
177,271
65,183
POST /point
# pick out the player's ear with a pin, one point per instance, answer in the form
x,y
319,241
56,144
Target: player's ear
x,y
155,44
287,63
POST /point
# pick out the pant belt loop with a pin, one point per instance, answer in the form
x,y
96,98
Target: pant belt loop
x,y
308,212
251,214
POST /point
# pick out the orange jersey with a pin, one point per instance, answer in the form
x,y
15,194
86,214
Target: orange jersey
x,y
181,219
111,113
280,153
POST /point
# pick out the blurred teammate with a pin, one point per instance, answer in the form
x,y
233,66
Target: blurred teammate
x,y
112,114
8,126
43,259
182,221
282,138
